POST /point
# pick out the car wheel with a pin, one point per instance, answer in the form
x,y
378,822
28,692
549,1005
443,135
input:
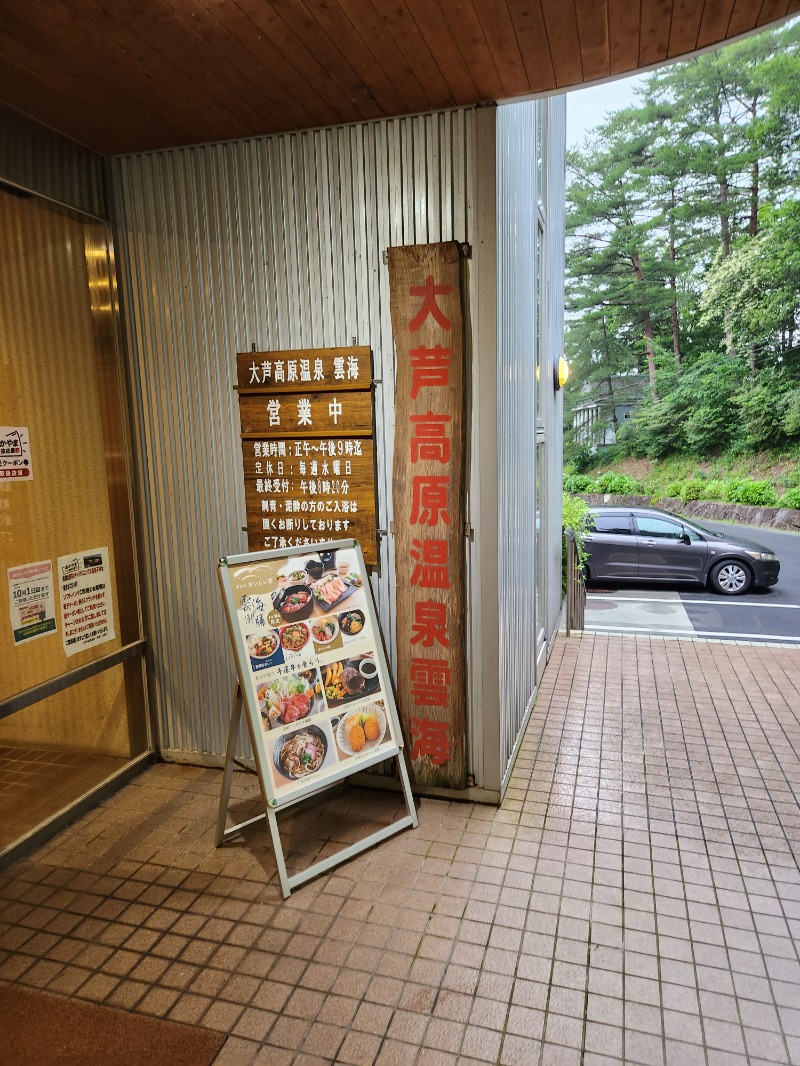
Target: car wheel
x,y
731,578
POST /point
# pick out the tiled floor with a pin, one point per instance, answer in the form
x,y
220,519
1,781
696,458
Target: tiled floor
x,y
37,782
636,899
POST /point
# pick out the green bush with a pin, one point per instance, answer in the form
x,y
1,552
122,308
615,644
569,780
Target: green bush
x,y
755,493
713,490
624,485
605,482
578,483
692,489
790,499
574,512
673,489
730,490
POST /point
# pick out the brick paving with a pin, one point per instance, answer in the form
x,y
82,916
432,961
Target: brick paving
x,y
636,899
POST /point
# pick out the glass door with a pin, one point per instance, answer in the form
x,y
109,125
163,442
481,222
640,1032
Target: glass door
x,y
72,694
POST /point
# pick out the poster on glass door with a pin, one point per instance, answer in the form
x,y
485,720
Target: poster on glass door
x,y
31,599
15,453
87,615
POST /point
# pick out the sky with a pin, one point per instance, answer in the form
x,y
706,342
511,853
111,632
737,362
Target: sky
x,y
588,107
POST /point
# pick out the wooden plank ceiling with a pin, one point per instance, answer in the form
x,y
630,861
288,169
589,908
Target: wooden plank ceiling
x,y
130,75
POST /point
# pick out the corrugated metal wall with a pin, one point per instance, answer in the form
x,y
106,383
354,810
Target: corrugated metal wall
x,y
275,242
553,334
517,196
516,423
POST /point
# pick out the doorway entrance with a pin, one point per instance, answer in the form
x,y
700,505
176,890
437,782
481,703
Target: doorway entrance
x,y
72,689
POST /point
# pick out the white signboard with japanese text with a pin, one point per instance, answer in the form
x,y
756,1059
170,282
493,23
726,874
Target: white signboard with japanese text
x,y
87,615
31,598
15,453
312,670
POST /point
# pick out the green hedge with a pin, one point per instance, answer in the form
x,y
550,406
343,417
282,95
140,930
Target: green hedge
x,y
574,512
733,490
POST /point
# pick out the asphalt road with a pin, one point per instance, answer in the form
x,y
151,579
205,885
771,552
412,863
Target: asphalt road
x,y
765,614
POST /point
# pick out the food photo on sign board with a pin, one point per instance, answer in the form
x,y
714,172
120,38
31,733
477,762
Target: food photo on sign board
x,y
361,730
346,680
298,754
290,698
316,585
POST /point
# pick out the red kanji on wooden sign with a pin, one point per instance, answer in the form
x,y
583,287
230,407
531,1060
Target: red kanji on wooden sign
x,y
429,366
432,739
430,624
429,291
431,570
430,682
429,441
429,501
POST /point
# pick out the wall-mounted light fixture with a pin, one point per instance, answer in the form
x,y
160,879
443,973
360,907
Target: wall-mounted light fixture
x,y
560,373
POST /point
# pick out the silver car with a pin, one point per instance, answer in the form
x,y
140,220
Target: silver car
x,y
646,544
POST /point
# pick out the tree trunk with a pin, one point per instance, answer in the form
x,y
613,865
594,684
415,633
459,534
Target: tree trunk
x,y
673,309
609,377
754,201
648,330
724,220
754,183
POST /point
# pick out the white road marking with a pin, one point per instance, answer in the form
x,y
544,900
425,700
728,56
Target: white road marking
x,y
732,602
652,629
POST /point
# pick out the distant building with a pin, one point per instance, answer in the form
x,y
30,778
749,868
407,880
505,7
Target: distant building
x,y
609,404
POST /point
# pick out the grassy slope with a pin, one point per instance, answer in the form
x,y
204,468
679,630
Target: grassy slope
x,y
783,471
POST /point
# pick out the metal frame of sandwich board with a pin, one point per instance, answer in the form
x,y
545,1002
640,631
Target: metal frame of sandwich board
x,y
243,701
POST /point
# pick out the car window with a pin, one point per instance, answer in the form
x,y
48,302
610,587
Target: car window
x,y
649,526
610,523
706,531
692,534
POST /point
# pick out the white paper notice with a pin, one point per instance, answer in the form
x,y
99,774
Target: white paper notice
x,y
87,615
15,453
32,600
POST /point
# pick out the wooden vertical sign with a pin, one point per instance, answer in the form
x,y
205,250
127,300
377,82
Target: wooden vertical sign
x,y
428,496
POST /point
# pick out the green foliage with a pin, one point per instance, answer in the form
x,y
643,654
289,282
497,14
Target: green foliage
x,y
615,484
730,490
754,493
625,485
751,291
762,414
696,413
578,483
582,458
790,412
574,512
692,490
791,498
713,490
683,257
